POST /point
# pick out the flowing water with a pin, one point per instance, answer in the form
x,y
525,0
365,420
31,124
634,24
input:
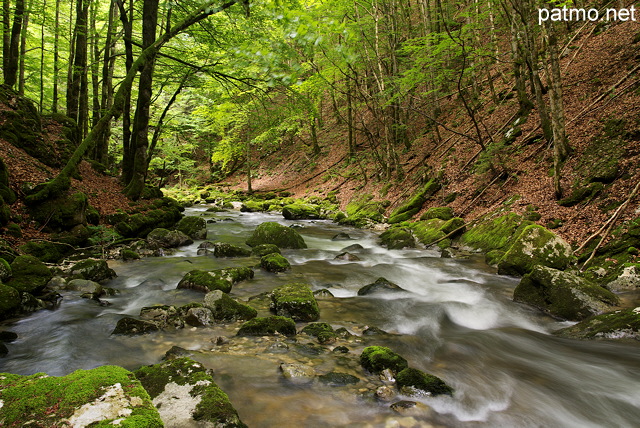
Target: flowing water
x,y
456,320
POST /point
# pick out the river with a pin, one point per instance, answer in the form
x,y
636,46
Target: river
x,y
456,320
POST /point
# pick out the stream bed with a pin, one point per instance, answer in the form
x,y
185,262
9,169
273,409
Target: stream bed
x,y
456,320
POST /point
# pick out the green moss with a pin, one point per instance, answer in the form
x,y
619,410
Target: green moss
x,y
226,309
322,331
453,224
274,262
139,225
622,324
428,231
268,326
397,238
413,205
301,211
193,227
443,213
376,359
29,274
48,252
581,193
494,234
416,382
93,270
264,249
224,249
362,210
219,279
9,299
493,257
296,301
276,234
5,270
253,206
50,401
127,254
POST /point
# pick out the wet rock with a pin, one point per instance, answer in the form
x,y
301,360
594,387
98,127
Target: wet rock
x,y
347,257
378,358
373,331
29,274
83,398
338,379
385,393
127,254
397,238
5,270
297,373
629,279
535,246
219,279
342,236
198,317
226,309
185,395
563,294
622,324
268,326
276,234
8,336
176,352
164,238
301,212
193,227
343,333
264,249
274,262
411,408
85,288
296,301
354,247
416,383
341,350
162,315
4,351
128,326
379,286
277,348
322,331
323,293
9,300
224,249
92,270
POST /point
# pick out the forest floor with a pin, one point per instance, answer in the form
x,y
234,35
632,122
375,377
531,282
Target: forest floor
x,y
593,63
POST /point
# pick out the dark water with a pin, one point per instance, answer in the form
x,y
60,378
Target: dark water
x,y
456,320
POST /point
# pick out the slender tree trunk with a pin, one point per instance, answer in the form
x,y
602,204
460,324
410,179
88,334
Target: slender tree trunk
x,y
6,34
56,59
108,64
127,152
23,50
42,32
76,100
11,67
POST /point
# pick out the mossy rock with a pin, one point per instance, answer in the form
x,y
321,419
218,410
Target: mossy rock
x,y
363,211
7,252
78,236
322,331
93,270
443,213
48,252
563,294
338,379
72,400
414,382
5,270
14,230
414,205
165,238
185,394
29,274
273,233
93,216
139,225
493,257
224,249
268,326
376,359
219,279
252,207
397,238
128,254
226,309
6,193
5,213
430,231
535,246
494,234
129,326
62,213
9,300
193,227
301,212
381,285
581,193
622,324
274,262
296,301
264,249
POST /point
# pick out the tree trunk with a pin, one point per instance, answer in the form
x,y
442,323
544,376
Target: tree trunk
x,y
76,105
42,32
6,33
23,49
127,153
11,66
56,59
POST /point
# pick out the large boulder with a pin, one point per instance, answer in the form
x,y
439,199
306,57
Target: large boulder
x,y
62,213
377,359
193,227
563,294
300,212
224,249
264,249
186,395
164,238
219,279
46,251
274,262
273,233
622,324
535,246
226,309
104,396
268,326
29,274
92,270
397,238
165,213
296,301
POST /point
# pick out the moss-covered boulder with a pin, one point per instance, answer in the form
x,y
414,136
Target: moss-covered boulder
x,y
5,213
581,193
322,331
224,249
165,238
622,324
264,249
185,394
129,326
301,211
563,294
274,262
253,206
376,359
268,326
9,300
62,213
443,213
273,233
295,300
226,309
494,234
104,396
6,193
363,211
410,208
46,251
629,279
29,274
93,270
416,383
7,251
397,238
139,225
193,227
381,285
219,279
535,246
126,254
84,288
5,270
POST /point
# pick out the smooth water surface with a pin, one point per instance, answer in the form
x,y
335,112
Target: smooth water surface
x,y
456,320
